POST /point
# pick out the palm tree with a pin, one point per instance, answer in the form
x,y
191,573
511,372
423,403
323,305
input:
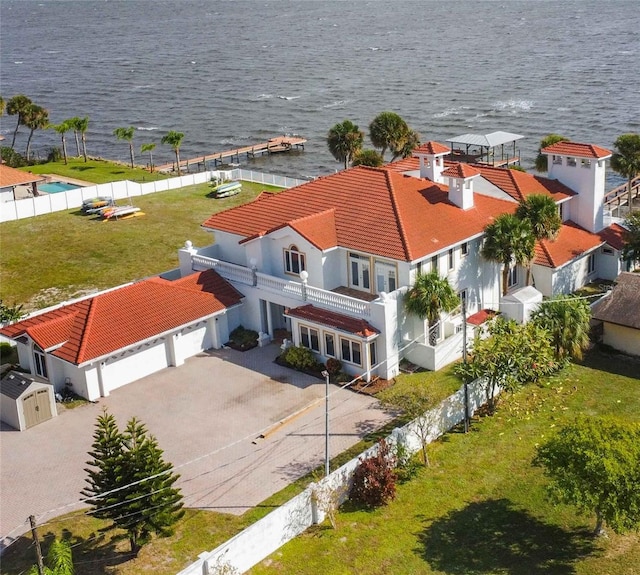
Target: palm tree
x,y
542,213
74,123
345,141
62,128
17,106
3,105
370,158
428,298
126,134
82,124
388,131
631,237
174,139
542,164
508,241
409,142
148,148
566,318
35,118
626,159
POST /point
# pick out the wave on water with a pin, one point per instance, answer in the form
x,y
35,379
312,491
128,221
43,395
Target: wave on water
x,y
144,129
264,96
455,111
513,106
18,62
337,104
288,97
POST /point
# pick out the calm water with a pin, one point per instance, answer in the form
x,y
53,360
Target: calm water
x,y
233,73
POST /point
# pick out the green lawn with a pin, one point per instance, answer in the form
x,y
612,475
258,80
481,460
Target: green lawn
x,y
479,509
53,257
95,171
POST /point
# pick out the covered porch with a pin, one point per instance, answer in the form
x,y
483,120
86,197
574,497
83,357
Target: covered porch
x,y
497,149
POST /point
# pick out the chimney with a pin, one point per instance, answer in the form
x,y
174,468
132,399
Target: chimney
x,y
431,155
461,184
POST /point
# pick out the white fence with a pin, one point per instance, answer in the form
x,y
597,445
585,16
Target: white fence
x,y
48,203
268,534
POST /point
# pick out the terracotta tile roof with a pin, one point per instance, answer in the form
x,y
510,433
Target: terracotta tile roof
x,y
461,171
10,177
373,210
481,316
621,305
432,148
519,184
572,241
577,150
110,321
614,236
333,319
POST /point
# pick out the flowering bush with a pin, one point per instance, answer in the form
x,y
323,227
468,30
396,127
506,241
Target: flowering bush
x,y
374,480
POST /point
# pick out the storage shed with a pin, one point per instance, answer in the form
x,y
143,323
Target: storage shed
x,y
25,401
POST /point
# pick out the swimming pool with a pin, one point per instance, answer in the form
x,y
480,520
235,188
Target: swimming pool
x,y
56,187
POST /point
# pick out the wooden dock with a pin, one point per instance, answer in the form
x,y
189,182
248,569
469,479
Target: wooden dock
x,y
618,197
273,146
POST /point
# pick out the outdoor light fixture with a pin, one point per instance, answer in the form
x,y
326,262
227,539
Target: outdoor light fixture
x,y
325,373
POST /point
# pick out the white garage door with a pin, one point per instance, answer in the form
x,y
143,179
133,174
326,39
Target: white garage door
x,y
135,365
193,341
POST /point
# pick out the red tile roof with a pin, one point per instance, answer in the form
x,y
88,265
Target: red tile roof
x,y
572,241
10,177
614,236
333,319
461,171
373,210
432,149
108,322
574,149
481,316
519,184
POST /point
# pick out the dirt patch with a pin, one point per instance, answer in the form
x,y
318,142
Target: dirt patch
x,y
375,386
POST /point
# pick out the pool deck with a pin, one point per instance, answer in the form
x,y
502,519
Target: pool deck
x,y
24,192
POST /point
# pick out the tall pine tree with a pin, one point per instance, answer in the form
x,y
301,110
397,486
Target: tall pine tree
x,y
151,503
104,478
131,485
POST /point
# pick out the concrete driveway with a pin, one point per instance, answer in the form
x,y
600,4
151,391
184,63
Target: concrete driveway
x,y
207,415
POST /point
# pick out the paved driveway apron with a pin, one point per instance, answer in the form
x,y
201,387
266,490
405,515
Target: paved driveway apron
x,y
207,416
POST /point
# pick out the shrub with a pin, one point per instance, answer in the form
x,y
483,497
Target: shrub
x,y
54,155
333,366
300,358
8,353
243,337
407,466
374,480
11,157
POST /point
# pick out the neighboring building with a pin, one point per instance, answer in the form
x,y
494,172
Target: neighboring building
x,y
619,313
10,179
98,344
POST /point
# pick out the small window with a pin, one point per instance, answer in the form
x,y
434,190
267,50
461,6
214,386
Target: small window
x,y
464,249
40,361
434,264
351,351
591,264
451,259
585,162
419,268
373,354
608,251
513,277
309,338
557,160
572,162
329,345
294,261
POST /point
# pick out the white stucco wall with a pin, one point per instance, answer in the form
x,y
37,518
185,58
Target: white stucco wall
x,y
623,338
572,276
229,248
608,265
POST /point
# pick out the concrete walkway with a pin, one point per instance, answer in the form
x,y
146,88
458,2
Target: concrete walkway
x,y
207,416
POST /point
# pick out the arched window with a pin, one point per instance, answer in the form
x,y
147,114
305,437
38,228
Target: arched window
x,y
294,260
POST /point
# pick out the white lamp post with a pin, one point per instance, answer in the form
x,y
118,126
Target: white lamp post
x,y
326,423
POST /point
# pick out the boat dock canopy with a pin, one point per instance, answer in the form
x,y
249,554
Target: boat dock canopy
x,y
481,148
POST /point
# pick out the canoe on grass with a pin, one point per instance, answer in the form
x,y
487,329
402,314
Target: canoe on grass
x,y
226,190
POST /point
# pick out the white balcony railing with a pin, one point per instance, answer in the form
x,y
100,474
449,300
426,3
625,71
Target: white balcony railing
x,y
295,290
